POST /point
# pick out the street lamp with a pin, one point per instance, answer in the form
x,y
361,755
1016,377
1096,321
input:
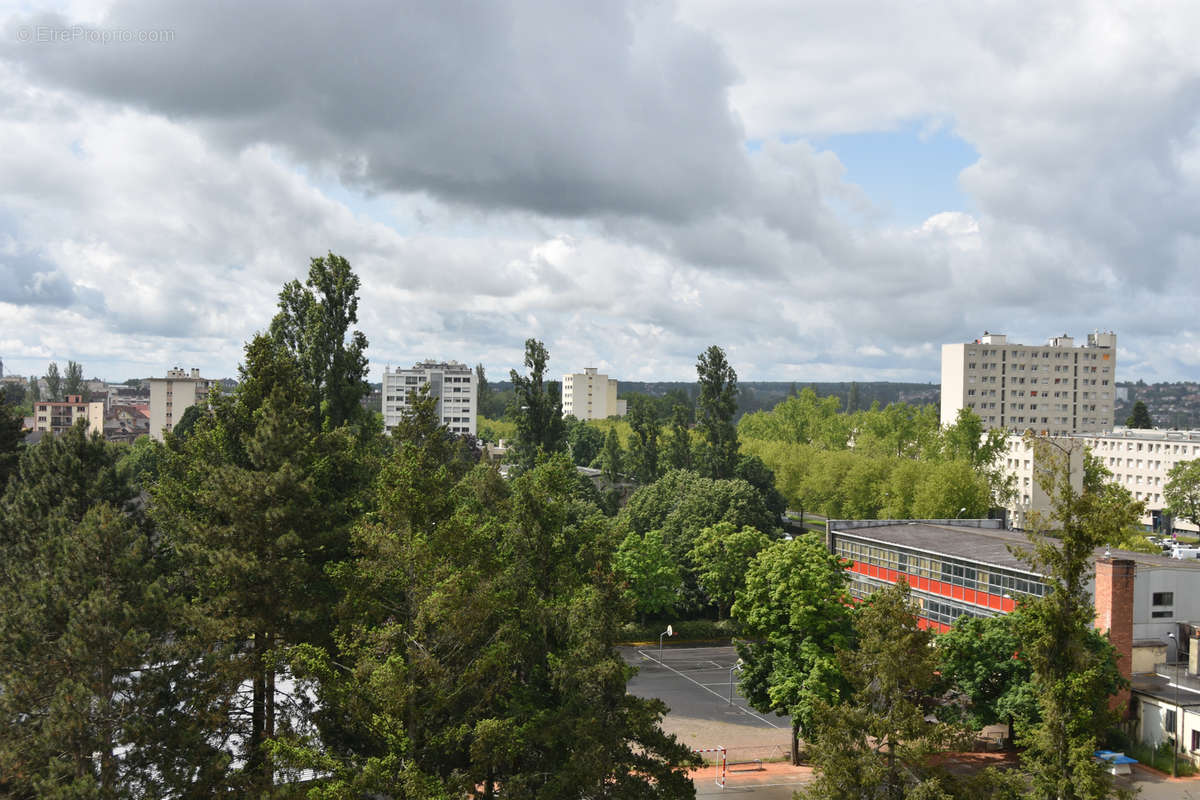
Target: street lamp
x,y
735,668
668,632
961,511
1174,737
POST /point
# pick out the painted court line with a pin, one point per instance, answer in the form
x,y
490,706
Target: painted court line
x,y
745,711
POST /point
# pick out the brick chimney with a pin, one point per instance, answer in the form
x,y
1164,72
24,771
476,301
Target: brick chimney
x,y
1114,616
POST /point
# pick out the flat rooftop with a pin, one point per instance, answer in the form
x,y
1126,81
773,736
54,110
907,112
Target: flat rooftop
x,y
972,541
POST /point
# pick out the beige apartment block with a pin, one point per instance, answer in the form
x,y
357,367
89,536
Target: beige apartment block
x,y
1055,389
1139,460
171,396
452,383
589,395
50,417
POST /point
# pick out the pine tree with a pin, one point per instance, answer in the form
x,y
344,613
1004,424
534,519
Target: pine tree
x,y
82,618
257,503
1140,418
11,441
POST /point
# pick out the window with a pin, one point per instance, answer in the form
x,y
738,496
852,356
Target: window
x,y
1196,740
1163,598
1169,721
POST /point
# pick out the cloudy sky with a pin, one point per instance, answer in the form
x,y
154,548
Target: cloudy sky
x,y
828,190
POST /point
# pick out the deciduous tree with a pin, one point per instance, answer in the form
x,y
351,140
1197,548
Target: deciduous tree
x,y
1182,491
612,458
54,384
313,324
1071,679
652,576
643,441
73,380
540,428
715,409
722,554
679,445
796,614
875,742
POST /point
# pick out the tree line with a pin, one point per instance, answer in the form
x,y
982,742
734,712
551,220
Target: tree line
x,y
282,601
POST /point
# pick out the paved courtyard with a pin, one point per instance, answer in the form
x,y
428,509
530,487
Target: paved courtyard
x,y
694,683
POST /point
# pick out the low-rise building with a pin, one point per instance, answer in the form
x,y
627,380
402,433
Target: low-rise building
x,y
56,417
590,395
1146,603
452,383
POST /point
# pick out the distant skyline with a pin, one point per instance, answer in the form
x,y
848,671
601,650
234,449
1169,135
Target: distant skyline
x,y
830,191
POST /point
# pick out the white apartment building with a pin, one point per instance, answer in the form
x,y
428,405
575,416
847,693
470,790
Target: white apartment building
x,y
588,395
1055,389
173,395
452,383
1139,460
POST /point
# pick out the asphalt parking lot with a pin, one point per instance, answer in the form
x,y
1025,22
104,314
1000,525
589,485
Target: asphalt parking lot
x,y
694,683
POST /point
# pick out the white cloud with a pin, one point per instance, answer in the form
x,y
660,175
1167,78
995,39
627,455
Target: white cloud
x,y
580,173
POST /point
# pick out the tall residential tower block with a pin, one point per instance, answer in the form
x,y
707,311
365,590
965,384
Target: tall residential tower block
x,y
588,395
1055,389
452,383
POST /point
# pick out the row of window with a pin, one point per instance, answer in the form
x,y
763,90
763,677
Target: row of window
x,y
1151,447
957,572
931,609
1021,354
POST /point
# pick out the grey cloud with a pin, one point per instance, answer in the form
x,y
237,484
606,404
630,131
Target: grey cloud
x,y
562,108
26,278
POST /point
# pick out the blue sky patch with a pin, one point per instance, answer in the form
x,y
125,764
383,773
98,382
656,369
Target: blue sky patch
x,y
910,173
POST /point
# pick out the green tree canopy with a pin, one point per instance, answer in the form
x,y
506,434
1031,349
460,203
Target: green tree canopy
x,y
81,614
1182,491
651,575
480,638
1070,678
795,614
1140,418
257,502
876,742
722,554
73,380
611,458
643,440
678,454
538,411
313,324
54,383
715,409
12,438
980,656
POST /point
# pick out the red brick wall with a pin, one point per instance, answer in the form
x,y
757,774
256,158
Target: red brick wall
x,y
1114,615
